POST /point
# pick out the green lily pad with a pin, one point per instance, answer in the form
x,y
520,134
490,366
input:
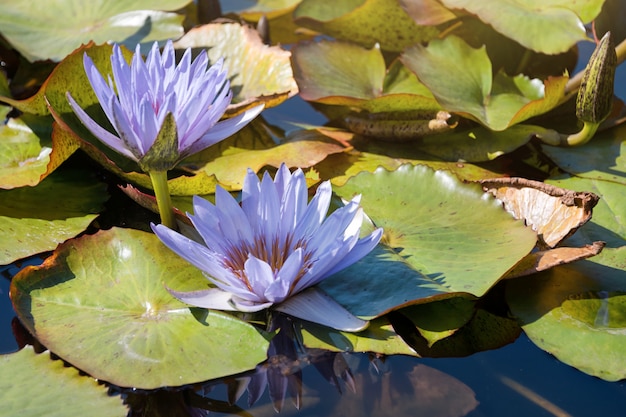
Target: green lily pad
x,y
603,158
63,25
100,303
24,152
442,238
341,73
40,386
479,144
35,220
257,72
365,22
550,27
577,312
445,328
461,80
379,337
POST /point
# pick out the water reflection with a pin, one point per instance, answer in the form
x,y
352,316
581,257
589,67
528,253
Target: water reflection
x,y
314,382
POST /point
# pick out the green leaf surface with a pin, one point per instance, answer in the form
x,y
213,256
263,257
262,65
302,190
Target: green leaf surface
x,y
35,220
24,152
100,303
379,337
365,22
341,73
61,26
603,158
577,312
442,238
478,144
33,385
550,27
461,80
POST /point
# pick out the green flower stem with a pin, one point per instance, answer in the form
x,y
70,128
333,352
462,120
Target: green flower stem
x,y
582,137
164,201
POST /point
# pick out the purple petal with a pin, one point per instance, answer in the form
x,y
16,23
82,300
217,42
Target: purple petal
x,y
318,307
223,129
98,131
212,298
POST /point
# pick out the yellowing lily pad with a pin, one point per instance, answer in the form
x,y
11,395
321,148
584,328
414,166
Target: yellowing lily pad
x,y
257,72
24,153
100,303
40,386
61,26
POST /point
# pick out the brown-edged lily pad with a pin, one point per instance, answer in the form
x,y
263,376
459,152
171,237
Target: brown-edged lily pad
x,y
345,74
257,72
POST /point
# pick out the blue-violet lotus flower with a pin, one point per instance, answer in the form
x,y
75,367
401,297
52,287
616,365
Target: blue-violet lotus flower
x,y
272,246
142,94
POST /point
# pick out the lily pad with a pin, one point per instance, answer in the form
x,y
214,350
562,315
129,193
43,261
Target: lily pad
x,y
442,238
345,74
379,337
460,78
40,386
365,22
257,72
24,152
63,25
100,303
478,144
603,158
577,312
35,220
550,27
301,149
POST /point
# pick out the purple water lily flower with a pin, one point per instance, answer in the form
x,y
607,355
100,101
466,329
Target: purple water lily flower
x,y
142,94
272,247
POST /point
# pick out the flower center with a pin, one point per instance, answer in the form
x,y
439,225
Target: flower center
x,y
274,251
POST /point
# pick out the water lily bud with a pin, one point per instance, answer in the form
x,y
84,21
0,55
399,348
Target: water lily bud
x,y
595,96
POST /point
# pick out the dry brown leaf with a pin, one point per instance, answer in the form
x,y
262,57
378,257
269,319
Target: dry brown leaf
x,y
554,213
542,260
